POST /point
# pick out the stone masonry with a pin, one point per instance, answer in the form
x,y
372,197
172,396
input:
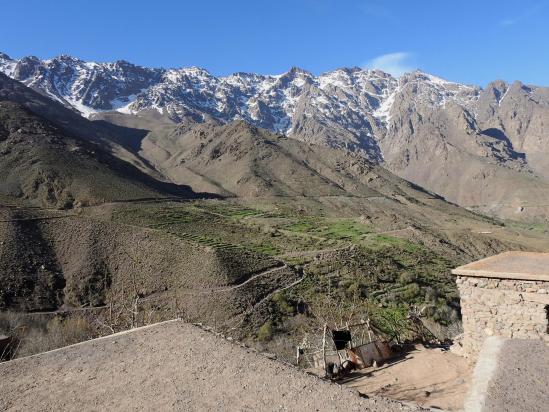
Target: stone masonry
x,y
505,295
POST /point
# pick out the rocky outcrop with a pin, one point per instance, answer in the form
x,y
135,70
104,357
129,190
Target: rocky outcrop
x,y
517,115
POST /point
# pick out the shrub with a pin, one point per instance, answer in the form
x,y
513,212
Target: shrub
x,y
68,331
407,277
431,295
265,332
411,291
445,314
283,305
37,334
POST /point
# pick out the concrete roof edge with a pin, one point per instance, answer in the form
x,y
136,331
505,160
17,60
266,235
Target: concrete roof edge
x,y
500,275
489,268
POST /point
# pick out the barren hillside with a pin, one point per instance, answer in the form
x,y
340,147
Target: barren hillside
x,y
42,164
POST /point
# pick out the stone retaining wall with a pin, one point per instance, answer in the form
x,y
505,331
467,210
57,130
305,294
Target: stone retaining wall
x,y
503,307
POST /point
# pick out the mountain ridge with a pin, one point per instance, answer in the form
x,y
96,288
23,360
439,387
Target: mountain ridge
x,y
412,125
52,157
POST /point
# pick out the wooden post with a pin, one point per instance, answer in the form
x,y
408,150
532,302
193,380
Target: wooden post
x,y
324,346
369,334
349,329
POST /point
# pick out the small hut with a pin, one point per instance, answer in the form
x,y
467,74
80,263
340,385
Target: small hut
x,y
361,344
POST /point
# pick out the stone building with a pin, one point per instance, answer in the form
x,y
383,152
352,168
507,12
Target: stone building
x,y
505,295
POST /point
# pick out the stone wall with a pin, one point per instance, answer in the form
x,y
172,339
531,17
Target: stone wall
x,y
503,307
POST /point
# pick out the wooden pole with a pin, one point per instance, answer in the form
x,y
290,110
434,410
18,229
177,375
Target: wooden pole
x,y
349,329
369,334
324,346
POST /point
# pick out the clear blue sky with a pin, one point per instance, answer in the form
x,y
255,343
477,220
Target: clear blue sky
x,y
468,41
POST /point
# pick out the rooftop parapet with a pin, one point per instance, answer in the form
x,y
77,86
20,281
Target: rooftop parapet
x,y
509,265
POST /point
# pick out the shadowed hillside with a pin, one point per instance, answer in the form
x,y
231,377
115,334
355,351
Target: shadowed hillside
x,y
42,164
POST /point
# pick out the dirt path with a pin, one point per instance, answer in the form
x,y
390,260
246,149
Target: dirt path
x,y
430,377
249,280
312,252
170,366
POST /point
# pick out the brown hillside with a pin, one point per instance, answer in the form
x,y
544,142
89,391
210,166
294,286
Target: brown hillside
x,y
44,165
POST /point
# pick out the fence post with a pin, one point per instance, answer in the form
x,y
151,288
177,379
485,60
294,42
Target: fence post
x,y
324,346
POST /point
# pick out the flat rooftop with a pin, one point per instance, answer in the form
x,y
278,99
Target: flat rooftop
x,y
510,375
509,265
170,366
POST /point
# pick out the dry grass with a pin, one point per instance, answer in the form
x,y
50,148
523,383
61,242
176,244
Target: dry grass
x,y
36,334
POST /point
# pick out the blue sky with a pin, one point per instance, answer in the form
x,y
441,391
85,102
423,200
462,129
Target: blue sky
x,y
467,41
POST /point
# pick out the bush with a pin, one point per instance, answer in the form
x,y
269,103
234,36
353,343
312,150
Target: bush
x,y
412,291
445,315
431,295
407,277
39,334
68,331
391,321
283,305
265,332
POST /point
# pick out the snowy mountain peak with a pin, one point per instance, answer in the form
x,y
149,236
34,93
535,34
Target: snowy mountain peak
x,y
356,102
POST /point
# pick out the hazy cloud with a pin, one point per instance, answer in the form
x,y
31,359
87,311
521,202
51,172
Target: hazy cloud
x,y
507,22
526,13
394,63
375,9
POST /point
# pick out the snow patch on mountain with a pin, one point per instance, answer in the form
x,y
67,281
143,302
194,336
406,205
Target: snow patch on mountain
x,y
7,65
357,102
383,112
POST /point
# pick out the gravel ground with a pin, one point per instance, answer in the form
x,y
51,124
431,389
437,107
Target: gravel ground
x,y
170,366
521,379
511,375
428,377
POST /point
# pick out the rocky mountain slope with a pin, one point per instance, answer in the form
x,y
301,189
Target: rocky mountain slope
x,y
46,164
453,147
488,146
241,160
278,103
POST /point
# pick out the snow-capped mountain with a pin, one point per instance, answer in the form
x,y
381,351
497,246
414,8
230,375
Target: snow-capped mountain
x,y
85,86
347,107
436,133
